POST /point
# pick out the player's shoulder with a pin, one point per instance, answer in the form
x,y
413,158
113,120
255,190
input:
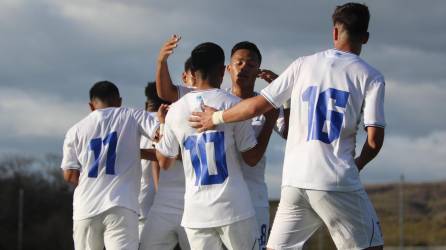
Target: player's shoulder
x,y
358,65
371,72
227,95
224,99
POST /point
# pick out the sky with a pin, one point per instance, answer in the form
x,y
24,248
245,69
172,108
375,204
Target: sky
x,y
54,50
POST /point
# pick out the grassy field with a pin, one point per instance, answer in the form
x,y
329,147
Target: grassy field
x,y
424,215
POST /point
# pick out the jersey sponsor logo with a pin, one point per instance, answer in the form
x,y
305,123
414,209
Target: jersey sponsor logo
x,y
96,146
324,122
208,157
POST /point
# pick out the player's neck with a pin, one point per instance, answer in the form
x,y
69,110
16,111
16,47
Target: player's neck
x,y
243,93
348,47
204,84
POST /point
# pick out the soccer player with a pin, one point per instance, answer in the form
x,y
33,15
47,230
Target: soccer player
x,y
101,156
244,68
330,92
217,207
150,169
163,230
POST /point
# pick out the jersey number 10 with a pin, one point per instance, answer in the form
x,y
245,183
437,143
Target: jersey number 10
x,y
319,113
96,146
208,157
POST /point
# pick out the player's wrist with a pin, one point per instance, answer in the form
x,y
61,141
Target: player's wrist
x,y
217,117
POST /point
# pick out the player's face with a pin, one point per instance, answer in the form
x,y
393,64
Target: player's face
x,y
187,78
244,67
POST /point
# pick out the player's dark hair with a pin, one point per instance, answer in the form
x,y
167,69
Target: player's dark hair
x,y
187,64
153,100
354,17
105,91
206,58
248,46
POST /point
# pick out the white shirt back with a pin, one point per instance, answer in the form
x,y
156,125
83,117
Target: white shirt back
x,y
254,176
216,193
147,191
330,91
171,187
104,147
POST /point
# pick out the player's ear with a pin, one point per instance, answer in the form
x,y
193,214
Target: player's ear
x,y
335,33
92,108
228,68
184,77
365,38
120,102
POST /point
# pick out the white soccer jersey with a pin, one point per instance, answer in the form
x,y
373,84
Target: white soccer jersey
x,y
171,187
254,176
104,146
147,192
330,91
216,193
183,90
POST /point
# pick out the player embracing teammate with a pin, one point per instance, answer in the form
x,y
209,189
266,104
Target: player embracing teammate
x,y
330,92
217,209
244,69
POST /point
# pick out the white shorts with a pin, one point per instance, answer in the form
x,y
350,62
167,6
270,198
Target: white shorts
x,y
349,217
163,231
262,217
141,223
116,229
240,235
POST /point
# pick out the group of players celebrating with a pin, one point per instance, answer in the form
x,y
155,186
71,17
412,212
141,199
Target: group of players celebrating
x,y
210,144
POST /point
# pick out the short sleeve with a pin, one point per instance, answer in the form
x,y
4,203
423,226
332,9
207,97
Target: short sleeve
x,y
183,90
374,103
168,145
245,138
279,127
280,89
147,122
69,158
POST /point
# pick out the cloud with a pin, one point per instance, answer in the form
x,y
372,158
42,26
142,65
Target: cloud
x,y
414,110
419,159
36,114
54,50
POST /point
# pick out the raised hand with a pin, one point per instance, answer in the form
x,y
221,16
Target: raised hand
x,y
168,48
202,121
267,75
162,112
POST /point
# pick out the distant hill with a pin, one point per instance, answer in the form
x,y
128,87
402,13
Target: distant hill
x,y
424,215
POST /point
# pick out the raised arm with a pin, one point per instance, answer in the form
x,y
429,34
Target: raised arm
x,y
372,145
165,89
